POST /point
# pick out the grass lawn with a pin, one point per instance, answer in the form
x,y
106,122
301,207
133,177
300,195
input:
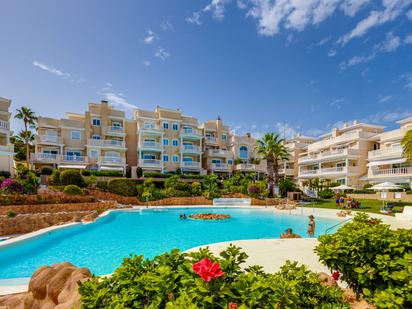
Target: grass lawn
x,y
371,205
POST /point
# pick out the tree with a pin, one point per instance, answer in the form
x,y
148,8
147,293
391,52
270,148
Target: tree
x,y
407,145
29,121
271,148
24,143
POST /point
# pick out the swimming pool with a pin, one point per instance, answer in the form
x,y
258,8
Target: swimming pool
x,y
101,245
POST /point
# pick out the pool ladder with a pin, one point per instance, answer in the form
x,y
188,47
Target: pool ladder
x,y
337,224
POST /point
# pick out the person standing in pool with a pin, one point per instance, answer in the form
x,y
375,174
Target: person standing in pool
x,y
311,226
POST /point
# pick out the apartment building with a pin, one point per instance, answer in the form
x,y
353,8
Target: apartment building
x,y
217,157
341,155
386,163
94,140
295,146
166,141
6,149
246,160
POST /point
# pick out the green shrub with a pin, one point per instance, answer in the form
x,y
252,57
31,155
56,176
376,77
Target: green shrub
x,y
169,281
30,182
73,190
253,190
286,185
102,185
171,182
196,188
72,177
46,170
55,178
5,174
210,187
122,186
11,214
86,172
327,193
373,259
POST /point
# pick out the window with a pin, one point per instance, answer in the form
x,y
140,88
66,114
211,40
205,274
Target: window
x,y
148,156
341,181
96,137
75,135
96,121
175,126
93,153
216,161
149,125
165,142
165,125
175,159
166,158
116,124
224,137
230,162
243,152
175,142
187,159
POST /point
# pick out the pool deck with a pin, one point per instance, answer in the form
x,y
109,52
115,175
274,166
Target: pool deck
x,y
269,253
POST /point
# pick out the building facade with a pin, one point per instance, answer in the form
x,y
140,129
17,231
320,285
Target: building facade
x,y
6,149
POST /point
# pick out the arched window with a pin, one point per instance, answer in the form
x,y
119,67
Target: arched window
x,y
243,152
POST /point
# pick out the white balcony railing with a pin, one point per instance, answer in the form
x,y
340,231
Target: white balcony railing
x,y
218,152
392,171
7,148
113,160
308,172
333,170
219,166
386,152
150,144
49,157
150,163
106,143
210,139
286,171
191,132
74,158
55,139
115,130
245,167
4,124
149,129
191,148
191,164
328,155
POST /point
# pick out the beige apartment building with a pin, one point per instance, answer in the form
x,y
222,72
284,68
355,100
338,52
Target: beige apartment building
x,y
166,141
387,162
341,155
218,158
245,157
295,146
94,140
6,149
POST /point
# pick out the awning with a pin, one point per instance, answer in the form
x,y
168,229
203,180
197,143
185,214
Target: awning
x,y
72,166
111,168
385,162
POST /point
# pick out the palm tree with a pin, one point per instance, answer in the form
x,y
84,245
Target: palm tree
x,y
29,120
271,148
407,145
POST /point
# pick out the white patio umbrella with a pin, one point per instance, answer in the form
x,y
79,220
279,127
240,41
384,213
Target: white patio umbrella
x,y
385,187
342,188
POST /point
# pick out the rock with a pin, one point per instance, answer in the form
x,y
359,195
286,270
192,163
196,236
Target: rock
x,y
50,287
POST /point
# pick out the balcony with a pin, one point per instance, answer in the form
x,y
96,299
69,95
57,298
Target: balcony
x,y
219,167
112,160
49,139
190,164
210,140
329,172
329,155
45,157
73,159
150,163
150,145
4,125
287,171
106,143
191,149
149,130
391,172
191,133
7,149
346,137
218,153
385,153
245,167
114,131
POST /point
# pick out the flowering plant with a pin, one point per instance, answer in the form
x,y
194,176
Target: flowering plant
x,y
11,186
207,269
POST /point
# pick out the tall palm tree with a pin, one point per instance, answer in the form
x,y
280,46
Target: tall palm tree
x,y
29,119
407,145
271,148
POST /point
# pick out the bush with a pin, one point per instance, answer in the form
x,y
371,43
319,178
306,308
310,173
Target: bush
x,y
373,259
178,280
5,174
253,190
196,188
55,178
73,190
327,193
72,177
11,214
210,187
286,185
11,186
46,170
86,172
171,182
102,185
30,182
122,186
139,172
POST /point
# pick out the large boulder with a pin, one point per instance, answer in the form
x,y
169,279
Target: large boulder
x,y
50,287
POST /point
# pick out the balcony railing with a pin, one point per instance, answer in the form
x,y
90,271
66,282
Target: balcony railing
x,y
150,163
286,171
327,171
114,130
332,170
328,155
190,132
191,148
386,152
346,137
218,152
4,124
150,145
210,139
7,148
74,159
54,139
48,157
392,171
113,160
149,129
106,143
308,172
245,167
219,166
191,164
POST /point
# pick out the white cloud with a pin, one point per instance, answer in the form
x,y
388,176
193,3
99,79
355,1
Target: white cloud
x,y
217,8
194,19
151,36
387,116
356,60
315,132
146,63
408,39
332,52
408,79
323,41
241,4
392,9
167,26
50,69
384,99
336,103
162,54
118,100
390,44
351,7
286,130
409,14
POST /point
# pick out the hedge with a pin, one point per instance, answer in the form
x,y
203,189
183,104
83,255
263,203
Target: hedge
x,y
73,190
102,173
72,177
122,186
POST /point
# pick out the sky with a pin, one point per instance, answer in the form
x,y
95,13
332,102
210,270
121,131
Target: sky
x,y
261,65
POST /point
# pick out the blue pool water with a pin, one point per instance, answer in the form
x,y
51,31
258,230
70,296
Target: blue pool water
x,y
101,246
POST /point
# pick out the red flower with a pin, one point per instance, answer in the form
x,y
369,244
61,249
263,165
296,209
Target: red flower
x,y
207,270
232,306
336,276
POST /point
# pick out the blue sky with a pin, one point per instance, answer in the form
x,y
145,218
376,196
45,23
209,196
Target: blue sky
x,y
299,65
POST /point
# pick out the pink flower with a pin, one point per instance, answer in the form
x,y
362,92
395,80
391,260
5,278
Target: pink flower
x,y
207,270
232,306
336,276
